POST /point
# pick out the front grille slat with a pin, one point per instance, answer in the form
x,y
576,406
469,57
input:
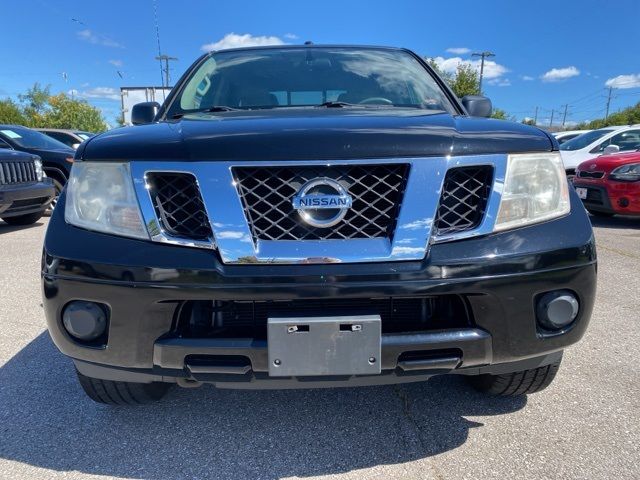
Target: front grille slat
x,y
464,198
267,193
17,172
178,204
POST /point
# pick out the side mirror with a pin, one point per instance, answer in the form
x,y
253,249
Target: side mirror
x,y
143,113
609,149
477,105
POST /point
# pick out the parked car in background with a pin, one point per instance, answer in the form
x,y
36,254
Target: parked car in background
x,y
593,144
567,135
610,184
57,157
25,192
71,138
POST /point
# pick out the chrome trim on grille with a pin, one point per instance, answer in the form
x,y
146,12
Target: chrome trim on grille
x,y
232,235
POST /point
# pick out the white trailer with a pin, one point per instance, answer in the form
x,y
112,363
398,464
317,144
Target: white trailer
x,y
131,95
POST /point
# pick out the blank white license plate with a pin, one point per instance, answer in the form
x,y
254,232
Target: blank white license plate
x,y
301,346
582,193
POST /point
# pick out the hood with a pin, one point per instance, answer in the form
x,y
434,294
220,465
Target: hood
x,y
606,163
299,134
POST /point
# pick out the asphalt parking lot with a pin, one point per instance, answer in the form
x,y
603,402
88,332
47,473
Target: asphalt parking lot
x,y
586,425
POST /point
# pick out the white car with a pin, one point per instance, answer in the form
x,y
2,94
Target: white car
x,y
597,142
567,135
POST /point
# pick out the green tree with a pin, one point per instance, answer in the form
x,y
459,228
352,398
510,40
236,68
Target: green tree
x,y
35,103
499,114
11,113
466,81
628,116
65,112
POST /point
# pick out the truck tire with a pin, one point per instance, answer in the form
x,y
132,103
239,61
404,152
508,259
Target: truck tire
x,y
516,383
122,393
28,219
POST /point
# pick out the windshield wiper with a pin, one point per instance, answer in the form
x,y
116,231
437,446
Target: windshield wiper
x,y
215,108
335,104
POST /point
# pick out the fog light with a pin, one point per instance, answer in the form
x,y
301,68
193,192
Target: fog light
x,y
623,202
84,321
557,309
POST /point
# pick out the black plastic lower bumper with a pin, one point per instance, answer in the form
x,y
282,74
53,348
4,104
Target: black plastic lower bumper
x,y
23,199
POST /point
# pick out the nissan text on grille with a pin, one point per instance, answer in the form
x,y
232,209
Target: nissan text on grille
x,y
316,216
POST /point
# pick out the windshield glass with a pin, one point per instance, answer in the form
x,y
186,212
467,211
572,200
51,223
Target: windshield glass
x,y
295,77
27,138
584,140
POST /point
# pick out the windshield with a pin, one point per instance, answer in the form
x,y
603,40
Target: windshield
x,y
27,138
584,140
295,77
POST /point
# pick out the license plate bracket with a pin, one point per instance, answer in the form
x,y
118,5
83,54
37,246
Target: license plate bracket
x,y
336,345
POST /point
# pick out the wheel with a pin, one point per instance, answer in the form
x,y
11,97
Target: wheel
x,y
122,393
24,219
597,213
58,188
516,383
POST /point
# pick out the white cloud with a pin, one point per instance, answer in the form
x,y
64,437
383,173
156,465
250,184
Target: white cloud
x,y
458,50
500,82
98,39
527,78
116,63
558,74
491,68
291,36
233,40
109,93
624,81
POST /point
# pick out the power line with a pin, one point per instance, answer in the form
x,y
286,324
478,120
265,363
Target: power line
x,y
155,18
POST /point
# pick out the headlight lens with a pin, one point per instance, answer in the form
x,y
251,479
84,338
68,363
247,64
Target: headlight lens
x,y
535,189
39,172
100,197
626,173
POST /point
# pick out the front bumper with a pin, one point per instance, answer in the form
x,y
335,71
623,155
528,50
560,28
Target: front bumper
x,y
499,276
23,199
622,198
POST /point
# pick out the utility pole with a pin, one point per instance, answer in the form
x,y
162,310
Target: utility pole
x,y
166,59
535,117
551,121
606,116
564,117
482,56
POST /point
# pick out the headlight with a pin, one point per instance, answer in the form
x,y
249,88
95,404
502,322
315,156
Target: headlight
x,y
100,197
535,189
626,173
39,172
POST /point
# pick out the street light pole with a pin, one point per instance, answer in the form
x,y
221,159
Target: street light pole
x,y
482,56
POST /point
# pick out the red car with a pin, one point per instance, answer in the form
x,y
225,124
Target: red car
x,y
610,184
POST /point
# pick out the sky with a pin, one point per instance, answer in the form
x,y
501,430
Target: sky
x,y
548,54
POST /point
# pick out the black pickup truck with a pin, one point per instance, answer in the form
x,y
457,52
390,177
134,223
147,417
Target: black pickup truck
x,y
311,216
24,192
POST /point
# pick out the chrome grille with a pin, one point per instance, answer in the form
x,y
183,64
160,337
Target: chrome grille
x,y
17,172
464,199
178,204
267,192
